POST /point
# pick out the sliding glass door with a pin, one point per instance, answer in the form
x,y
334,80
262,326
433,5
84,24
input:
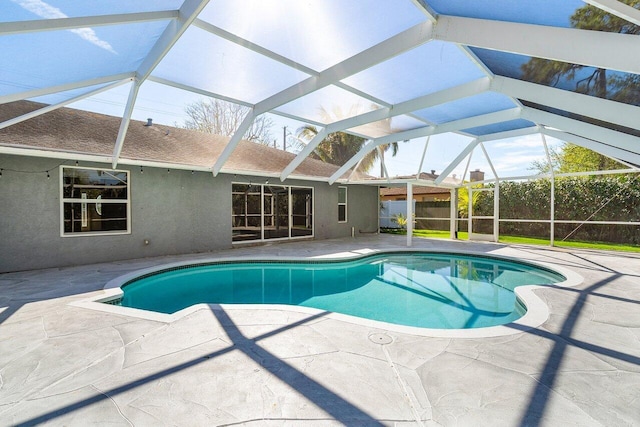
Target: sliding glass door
x,y
265,212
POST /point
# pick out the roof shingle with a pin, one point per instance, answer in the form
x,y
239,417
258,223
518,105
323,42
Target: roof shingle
x,y
77,131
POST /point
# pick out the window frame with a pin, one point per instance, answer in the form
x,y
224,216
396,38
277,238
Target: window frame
x,y
64,200
345,204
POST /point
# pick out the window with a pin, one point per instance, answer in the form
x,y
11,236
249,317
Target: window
x,y
264,212
342,204
94,201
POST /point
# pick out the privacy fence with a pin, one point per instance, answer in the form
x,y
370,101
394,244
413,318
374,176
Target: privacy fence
x,y
427,215
596,208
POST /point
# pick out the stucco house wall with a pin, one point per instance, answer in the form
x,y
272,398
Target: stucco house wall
x,y
176,213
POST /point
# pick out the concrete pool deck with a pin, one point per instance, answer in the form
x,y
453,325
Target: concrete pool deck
x,y
66,365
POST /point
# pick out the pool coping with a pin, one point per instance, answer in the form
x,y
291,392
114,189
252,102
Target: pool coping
x,y
537,310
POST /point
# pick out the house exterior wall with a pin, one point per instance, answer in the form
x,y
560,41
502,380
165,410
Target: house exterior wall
x,y
362,210
177,213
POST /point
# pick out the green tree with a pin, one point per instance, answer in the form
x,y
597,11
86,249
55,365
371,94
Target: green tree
x,y
628,88
574,158
548,72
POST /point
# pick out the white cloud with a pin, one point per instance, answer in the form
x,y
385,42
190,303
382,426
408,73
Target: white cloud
x,y
46,11
89,35
528,141
517,162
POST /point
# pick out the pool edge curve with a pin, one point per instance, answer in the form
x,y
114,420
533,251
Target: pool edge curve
x,y
537,310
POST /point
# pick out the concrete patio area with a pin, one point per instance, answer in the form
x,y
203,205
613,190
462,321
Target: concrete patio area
x,y
66,365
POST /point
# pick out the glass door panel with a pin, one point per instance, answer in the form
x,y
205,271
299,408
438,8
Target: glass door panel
x,y
302,212
276,212
246,224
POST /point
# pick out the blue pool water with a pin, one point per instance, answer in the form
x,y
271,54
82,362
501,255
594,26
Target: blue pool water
x,y
432,290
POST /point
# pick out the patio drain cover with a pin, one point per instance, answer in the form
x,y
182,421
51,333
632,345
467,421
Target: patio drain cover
x,y
380,338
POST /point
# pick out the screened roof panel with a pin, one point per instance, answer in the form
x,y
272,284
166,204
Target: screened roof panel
x,y
405,122
55,57
499,127
429,68
316,33
27,10
388,126
484,103
541,12
208,62
618,86
502,63
328,105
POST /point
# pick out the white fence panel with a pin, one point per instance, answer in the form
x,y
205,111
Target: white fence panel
x,y
389,209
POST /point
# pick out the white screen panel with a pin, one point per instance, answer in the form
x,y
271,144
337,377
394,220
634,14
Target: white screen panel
x,y
315,33
388,126
208,62
426,69
27,10
328,105
56,57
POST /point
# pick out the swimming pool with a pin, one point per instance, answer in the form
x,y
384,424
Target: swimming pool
x,y
419,289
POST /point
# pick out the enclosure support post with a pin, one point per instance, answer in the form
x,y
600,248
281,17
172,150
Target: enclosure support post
x,y
553,211
470,210
246,212
496,212
290,207
262,224
379,210
409,213
453,214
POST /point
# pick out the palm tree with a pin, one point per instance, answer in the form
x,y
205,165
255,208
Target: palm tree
x,y
463,200
384,149
338,147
